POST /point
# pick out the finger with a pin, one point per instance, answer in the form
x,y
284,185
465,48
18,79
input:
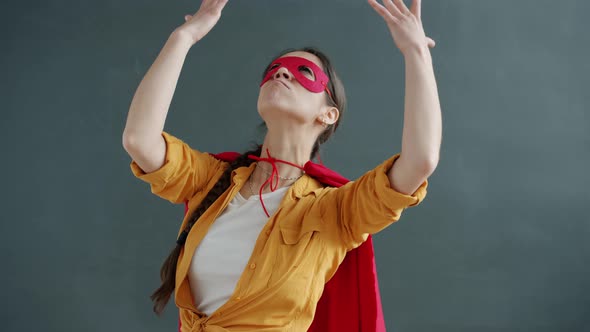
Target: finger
x,y
392,8
430,42
416,8
383,12
187,17
220,4
402,7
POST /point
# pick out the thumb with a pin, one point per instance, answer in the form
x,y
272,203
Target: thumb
x,y
187,17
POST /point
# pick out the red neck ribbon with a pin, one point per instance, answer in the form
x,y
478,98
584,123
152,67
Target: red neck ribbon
x,y
274,175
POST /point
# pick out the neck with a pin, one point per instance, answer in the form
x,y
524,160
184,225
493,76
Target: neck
x,y
259,177
293,147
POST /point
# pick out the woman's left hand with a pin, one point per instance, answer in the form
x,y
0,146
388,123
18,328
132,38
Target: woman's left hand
x,y
404,24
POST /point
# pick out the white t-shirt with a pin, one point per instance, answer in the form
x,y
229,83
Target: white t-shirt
x,y
221,257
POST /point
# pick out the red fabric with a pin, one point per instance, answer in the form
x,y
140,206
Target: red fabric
x,y
295,64
351,301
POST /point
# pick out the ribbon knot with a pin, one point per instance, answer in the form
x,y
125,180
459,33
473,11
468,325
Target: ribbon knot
x,y
274,175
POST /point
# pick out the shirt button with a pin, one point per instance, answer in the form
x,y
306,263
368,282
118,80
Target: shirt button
x,y
267,232
238,298
252,266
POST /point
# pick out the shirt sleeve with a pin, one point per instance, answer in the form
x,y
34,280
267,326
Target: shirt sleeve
x,y
365,206
185,171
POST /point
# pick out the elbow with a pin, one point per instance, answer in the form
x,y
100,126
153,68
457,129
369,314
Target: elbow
x,y
133,143
429,164
425,166
129,141
126,141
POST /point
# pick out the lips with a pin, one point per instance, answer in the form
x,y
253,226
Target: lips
x,y
283,83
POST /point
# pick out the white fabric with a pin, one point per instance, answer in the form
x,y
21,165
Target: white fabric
x,y
221,257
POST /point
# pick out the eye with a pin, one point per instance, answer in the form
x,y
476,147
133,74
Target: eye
x,y
272,67
306,69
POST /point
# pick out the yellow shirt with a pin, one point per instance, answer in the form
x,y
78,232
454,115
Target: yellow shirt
x,y
296,253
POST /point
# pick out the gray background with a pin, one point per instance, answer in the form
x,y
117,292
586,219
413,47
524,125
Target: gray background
x,y
499,244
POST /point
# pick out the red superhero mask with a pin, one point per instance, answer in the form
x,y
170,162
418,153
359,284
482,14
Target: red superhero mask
x,y
307,73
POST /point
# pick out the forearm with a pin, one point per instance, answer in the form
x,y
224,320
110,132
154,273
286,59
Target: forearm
x,y
422,130
150,104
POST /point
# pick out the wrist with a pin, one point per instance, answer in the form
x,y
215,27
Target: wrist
x,y
418,54
182,36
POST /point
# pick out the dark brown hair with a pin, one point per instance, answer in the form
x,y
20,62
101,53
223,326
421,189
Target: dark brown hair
x,y
168,271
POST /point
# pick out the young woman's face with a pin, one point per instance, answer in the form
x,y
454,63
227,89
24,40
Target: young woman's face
x,y
297,96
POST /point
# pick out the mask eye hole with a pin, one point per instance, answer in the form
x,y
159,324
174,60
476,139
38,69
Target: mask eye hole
x,y
307,72
273,67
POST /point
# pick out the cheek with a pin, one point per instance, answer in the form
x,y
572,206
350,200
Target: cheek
x,y
317,99
311,104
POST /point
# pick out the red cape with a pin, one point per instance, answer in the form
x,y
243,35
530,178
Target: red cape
x,y
351,301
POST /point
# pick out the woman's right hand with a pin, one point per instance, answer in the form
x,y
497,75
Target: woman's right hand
x,y
198,25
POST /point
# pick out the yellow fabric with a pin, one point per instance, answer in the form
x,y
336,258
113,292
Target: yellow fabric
x,y
298,250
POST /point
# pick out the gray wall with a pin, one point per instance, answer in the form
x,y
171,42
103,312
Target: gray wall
x,y
499,244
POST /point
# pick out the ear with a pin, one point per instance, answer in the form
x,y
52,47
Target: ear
x,y
329,116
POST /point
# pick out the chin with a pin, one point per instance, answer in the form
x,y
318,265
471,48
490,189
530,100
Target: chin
x,y
269,109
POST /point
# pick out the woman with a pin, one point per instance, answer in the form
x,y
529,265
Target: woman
x,y
269,233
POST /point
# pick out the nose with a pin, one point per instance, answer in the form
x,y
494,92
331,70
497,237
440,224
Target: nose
x,y
283,72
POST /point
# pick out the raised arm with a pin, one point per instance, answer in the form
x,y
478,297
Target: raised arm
x,y
422,131
142,137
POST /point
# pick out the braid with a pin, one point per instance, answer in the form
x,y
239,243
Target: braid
x,y
168,271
